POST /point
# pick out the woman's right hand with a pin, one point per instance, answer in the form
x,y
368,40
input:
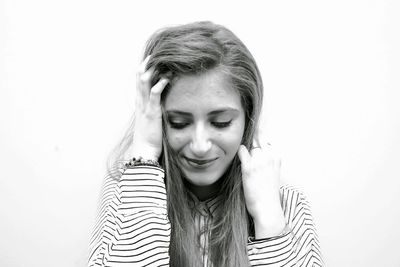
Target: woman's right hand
x,y
147,136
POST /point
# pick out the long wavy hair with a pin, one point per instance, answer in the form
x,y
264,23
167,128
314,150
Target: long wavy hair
x,y
192,49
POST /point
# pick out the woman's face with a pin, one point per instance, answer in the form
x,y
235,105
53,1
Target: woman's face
x,y
205,125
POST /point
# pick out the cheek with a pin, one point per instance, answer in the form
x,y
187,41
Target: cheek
x,y
239,131
231,140
176,139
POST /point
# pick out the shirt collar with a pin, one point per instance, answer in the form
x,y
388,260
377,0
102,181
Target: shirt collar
x,y
207,207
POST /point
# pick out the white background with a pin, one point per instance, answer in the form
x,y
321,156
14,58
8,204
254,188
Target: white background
x,y
332,109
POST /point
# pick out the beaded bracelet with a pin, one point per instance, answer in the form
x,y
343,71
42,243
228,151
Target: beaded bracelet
x,y
142,162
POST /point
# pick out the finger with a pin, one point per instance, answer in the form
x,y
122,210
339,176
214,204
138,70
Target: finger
x,y
143,65
141,77
260,137
245,158
155,93
256,146
256,138
144,85
254,152
272,158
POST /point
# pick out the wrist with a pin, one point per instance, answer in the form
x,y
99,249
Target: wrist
x,y
142,162
145,153
269,226
144,156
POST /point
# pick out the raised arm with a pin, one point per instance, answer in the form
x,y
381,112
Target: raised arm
x,y
132,225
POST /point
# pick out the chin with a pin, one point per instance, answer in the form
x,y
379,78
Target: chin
x,y
203,179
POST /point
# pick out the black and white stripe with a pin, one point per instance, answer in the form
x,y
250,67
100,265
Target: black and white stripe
x,y
133,229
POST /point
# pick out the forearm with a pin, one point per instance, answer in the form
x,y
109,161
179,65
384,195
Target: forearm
x,y
297,243
132,225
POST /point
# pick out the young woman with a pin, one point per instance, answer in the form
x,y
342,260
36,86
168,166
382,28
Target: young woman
x,y
192,185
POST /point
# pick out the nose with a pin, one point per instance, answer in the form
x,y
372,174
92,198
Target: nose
x,y
200,144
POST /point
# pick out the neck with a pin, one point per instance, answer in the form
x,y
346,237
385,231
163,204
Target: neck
x,y
206,191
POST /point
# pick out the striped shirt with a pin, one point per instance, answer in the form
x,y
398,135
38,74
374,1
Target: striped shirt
x,y
132,226
204,212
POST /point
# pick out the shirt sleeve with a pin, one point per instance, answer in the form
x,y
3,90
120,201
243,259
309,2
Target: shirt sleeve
x,y
298,245
132,226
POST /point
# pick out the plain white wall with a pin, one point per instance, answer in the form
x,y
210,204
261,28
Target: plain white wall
x,y
332,93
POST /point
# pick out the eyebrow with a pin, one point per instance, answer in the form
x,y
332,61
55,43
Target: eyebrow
x,y
211,113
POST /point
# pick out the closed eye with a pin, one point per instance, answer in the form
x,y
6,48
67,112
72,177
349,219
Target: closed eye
x,y
178,125
222,124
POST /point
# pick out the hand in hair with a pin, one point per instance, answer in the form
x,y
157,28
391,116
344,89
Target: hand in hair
x,y
147,137
261,182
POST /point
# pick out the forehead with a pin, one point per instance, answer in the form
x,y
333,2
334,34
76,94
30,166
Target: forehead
x,y
203,92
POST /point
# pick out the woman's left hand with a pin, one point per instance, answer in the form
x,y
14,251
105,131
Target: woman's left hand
x,y
261,183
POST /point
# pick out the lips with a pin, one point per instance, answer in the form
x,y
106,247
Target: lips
x,y
199,163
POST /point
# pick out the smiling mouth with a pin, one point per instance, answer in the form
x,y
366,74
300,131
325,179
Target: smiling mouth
x,y
199,163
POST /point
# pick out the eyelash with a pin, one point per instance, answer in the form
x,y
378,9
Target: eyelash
x,y
219,125
222,124
178,125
